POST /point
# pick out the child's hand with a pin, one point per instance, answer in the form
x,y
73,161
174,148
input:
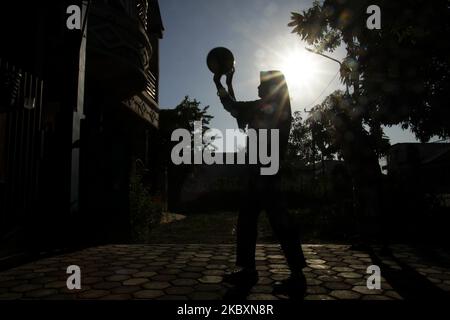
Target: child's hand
x,y
230,76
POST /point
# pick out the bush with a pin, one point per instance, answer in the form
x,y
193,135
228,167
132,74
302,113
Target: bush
x,y
145,212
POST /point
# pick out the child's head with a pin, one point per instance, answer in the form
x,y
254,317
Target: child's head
x,y
273,85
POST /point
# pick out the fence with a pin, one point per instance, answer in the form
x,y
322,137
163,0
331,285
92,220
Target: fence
x,y
20,143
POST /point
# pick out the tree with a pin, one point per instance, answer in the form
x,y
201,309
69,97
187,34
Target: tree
x,y
182,116
336,132
301,144
400,73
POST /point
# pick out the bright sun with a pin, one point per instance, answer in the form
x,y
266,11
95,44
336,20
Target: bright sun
x,y
299,68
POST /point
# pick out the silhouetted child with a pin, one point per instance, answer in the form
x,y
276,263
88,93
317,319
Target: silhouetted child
x,y
263,192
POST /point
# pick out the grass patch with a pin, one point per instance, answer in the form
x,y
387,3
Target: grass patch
x,y
208,228
219,228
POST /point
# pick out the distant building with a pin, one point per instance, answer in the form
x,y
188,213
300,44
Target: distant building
x,y
426,165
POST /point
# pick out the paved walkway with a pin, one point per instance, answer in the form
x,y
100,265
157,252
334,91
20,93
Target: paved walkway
x,y
195,272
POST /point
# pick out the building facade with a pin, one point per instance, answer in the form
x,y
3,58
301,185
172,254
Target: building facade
x,y
78,107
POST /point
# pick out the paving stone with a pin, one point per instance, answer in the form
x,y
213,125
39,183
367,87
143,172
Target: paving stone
x,y
93,294
200,295
356,282
261,296
90,280
117,297
106,285
184,282
214,272
280,271
222,257
126,271
313,282
148,294
117,277
337,285
204,260
326,278
193,269
264,273
189,275
315,261
444,286
164,277
10,296
334,264
278,277
125,289
5,278
262,268
316,290
331,259
376,297
278,266
393,294
359,266
262,289
29,275
345,294
60,297
208,287
156,285
198,264
202,255
45,270
350,275
179,290
144,274
332,269
319,266
41,293
25,287
275,256
442,276
365,290
265,280
170,271
217,266
100,274
12,283
352,261
210,279
172,297
319,297
343,269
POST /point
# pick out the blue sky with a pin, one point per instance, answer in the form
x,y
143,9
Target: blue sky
x,y
256,32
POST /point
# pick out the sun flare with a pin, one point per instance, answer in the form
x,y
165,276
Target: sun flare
x,y
299,68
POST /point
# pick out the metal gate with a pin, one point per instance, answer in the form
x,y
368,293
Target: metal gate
x,y
20,145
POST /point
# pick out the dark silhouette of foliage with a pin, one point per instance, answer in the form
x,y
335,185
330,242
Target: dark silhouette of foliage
x,y
182,116
400,73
